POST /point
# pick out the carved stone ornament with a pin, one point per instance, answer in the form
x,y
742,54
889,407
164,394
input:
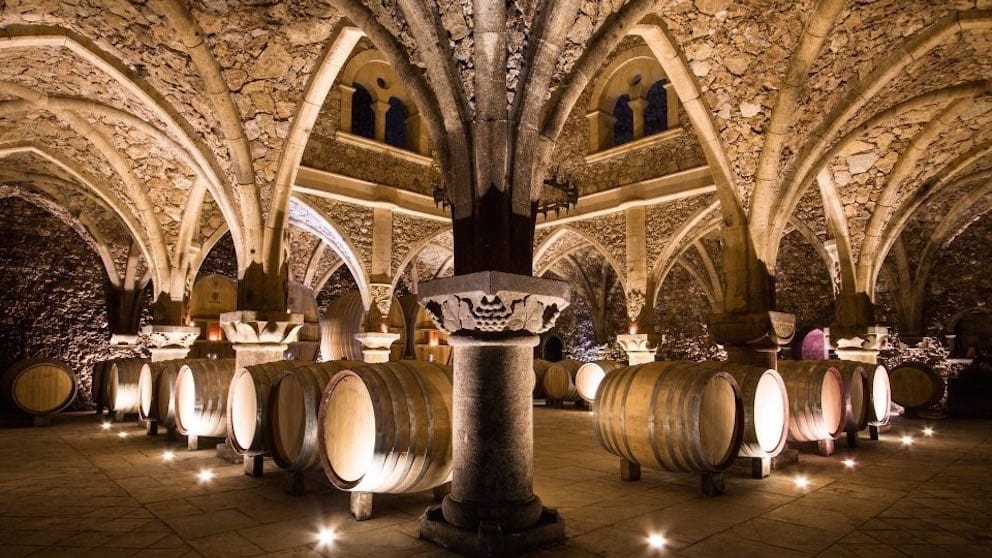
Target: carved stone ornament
x,y
248,326
382,297
494,302
635,343
635,302
757,329
867,338
164,336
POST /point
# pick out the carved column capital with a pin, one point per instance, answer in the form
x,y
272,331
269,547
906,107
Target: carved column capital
x,y
169,336
375,345
758,330
638,347
861,344
251,327
493,302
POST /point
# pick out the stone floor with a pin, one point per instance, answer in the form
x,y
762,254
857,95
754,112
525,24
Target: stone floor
x,y
75,490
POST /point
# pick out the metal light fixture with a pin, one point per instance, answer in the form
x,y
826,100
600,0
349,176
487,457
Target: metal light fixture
x,y
564,195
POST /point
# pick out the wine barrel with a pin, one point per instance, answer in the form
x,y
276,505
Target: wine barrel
x,y
589,376
816,399
857,393
881,395
916,385
122,385
148,391
200,394
559,381
346,316
248,402
164,390
540,369
291,411
671,415
810,343
387,427
38,386
98,384
766,407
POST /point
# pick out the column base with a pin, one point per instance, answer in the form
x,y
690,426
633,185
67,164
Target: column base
x,y
490,540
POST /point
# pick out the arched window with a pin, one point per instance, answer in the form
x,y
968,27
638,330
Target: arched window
x,y
396,123
656,111
623,121
362,114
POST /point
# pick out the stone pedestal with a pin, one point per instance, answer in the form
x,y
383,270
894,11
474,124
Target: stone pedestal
x,y
753,338
493,320
637,346
375,346
860,344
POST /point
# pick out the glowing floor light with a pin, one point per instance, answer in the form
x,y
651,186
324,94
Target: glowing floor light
x,y
656,540
907,440
122,434
802,482
168,455
927,431
326,537
106,425
205,475
849,463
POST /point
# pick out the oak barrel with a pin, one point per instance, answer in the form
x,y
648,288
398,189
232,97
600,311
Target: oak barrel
x,y
766,407
559,381
916,385
816,399
122,385
881,395
676,416
247,404
857,393
590,374
164,390
38,386
387,427
345,316
291,410
540,369
148,384
200,394
98,384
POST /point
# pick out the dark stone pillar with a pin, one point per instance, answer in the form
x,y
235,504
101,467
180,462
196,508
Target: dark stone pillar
x,y
494,320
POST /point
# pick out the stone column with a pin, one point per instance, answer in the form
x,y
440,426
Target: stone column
x,y
375,345
258,337
493,319
638,348
167,342
638,106
380,108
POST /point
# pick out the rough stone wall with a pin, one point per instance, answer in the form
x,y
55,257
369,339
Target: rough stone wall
x,y
802,283
682,311
221,260
340,282
575,327
960,278
52,295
